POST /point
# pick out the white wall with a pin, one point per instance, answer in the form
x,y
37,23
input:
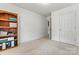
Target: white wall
x,y
65,25
48,18
31,25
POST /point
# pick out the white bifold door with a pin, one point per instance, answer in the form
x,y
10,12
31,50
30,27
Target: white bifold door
x,y
64,27
55,27
67,31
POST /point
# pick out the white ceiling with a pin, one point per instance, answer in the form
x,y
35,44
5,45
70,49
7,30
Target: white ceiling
x,y
44,9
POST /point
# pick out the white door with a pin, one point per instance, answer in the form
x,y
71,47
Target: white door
x,y
77,28
67,27
55,28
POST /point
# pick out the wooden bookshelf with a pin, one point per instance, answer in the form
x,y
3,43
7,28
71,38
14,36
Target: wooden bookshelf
x,y
5,20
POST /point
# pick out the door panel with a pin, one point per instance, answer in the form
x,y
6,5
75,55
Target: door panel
x,y
55,28
67,26
77,28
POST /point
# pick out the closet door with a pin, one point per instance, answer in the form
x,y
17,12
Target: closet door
x,y
77,28
55,27
67,27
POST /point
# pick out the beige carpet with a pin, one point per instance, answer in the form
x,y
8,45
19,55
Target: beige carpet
x,y
43,46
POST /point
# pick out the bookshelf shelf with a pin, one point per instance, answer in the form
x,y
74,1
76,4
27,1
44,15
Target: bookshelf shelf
x,y
7,36
8,30
12,40
8,21
6,27
9,41
8,48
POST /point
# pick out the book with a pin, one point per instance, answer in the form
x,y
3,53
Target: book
x,y
3,46
12,43
3,40
14,19
10,38
10,33
3,32
15,42
8,44
0,46
12,24
15,37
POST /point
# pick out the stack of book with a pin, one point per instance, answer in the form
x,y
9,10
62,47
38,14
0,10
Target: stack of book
x,y
12,24
2,33
3,40
13,19
8,44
